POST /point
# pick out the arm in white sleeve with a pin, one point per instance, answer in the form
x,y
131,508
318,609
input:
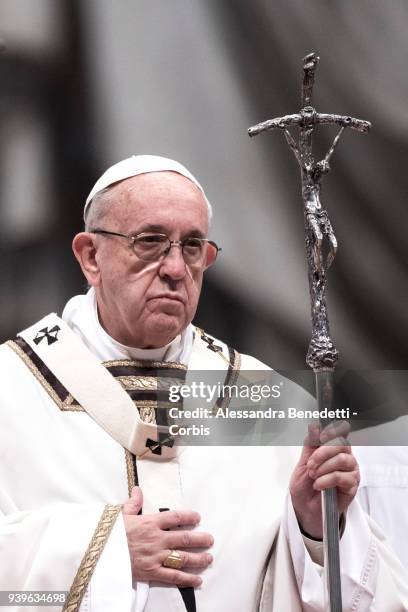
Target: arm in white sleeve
x,y
372,577
110,587
55,548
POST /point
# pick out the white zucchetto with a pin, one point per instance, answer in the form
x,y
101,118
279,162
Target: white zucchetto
x,y
140,164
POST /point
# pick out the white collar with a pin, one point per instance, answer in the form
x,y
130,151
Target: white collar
x,y
81,314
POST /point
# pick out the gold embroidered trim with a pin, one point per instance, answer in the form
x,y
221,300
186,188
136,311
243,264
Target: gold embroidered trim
x,y
130,474
236,368
148,403
136,383
236,365
36,372
67,404
147,383
130,383
167,365
148,409
148,414
91,557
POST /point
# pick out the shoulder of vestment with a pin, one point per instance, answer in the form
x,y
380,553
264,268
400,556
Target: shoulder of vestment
x,y
215,350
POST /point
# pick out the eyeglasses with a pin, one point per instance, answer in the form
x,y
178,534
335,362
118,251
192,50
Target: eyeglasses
x,y
153,247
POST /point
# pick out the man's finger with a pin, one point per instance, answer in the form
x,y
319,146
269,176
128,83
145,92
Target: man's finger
x,y
313,435
188,539
171,576
310,443
134,504
192,560
343,462
335,429
347,482
176,518
323,453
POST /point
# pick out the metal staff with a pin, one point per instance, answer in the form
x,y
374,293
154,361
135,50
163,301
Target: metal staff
x,y
322,355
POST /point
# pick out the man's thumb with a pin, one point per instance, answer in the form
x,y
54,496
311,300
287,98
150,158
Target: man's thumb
x,y
135,503
310,443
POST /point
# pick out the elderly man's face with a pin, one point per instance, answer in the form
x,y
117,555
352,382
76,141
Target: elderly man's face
x,y
147,304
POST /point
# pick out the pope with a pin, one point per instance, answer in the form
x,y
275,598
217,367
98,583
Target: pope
x,y
96,499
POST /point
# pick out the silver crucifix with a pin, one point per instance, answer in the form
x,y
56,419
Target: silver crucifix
x,y
321,248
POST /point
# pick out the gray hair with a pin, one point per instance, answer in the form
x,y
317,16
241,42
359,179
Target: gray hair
x,y
98,208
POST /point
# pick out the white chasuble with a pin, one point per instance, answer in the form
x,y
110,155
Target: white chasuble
x,y
67,464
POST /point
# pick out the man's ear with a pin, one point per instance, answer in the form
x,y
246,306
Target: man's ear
x,y
84,249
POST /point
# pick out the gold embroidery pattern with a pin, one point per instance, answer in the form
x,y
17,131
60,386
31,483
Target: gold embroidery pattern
x,y
129,471
148,409
147,414
138,383
91,558
128,382
167,365
71,405
236,368
142,383
147,383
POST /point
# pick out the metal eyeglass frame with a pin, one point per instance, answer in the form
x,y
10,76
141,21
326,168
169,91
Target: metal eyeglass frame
x,y
170,242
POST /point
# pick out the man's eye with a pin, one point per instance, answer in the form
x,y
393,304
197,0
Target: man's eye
x,y
151,239
192,243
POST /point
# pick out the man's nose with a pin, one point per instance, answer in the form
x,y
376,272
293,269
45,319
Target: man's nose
x,y
173,264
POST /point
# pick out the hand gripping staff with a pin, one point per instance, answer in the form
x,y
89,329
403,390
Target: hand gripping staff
x,y
322,355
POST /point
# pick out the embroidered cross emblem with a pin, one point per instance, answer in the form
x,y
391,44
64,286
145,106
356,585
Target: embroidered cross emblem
x,y
210,343
156,447
50,334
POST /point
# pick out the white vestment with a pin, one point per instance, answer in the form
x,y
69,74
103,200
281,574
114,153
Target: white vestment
x,y
63,478
383,491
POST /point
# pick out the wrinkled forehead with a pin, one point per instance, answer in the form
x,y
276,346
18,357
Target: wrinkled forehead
x,y
156,193
159,183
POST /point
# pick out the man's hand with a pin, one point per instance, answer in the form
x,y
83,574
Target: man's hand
x,y
151,538
323,467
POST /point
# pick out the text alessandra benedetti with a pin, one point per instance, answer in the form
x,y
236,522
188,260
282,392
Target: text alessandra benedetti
x,y
266,413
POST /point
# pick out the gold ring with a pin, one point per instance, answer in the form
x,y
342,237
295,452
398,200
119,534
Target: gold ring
x,y
174,560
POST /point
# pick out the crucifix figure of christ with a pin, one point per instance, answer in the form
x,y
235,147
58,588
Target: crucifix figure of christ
x,y
322,354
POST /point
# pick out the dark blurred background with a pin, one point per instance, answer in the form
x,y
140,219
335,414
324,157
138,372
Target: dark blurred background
x,y
84,84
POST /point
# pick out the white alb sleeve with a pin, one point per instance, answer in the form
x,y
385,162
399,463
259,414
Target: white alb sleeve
x,y
111,585
370,573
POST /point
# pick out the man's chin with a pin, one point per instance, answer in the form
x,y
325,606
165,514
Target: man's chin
x,y
163,330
